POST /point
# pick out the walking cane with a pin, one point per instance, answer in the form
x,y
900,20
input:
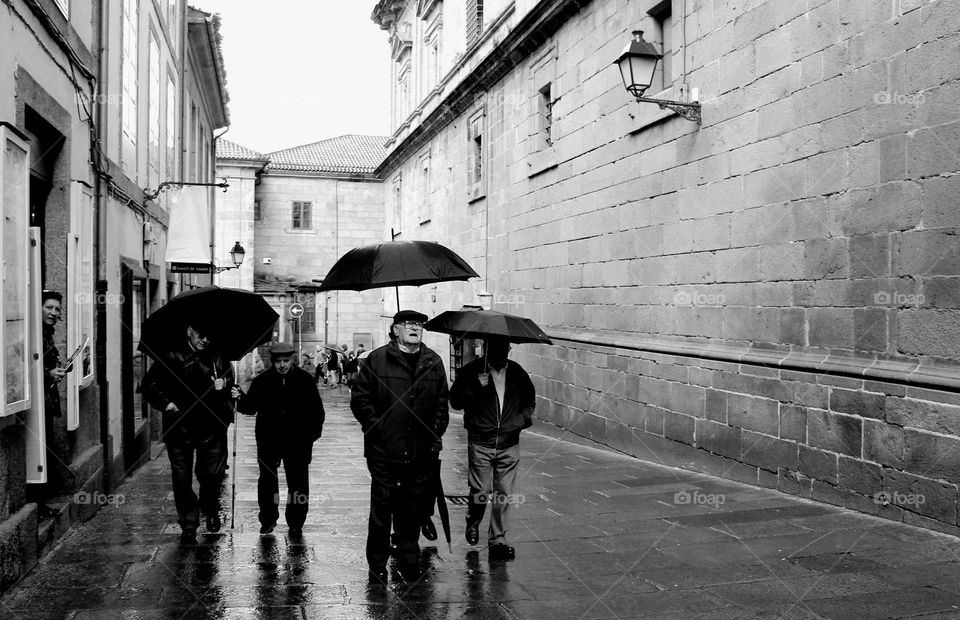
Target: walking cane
x,y
233,470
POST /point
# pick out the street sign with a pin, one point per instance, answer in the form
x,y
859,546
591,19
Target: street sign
x,y
296,311
190,267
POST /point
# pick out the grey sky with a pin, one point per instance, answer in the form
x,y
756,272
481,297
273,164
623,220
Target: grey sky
x,y
299,71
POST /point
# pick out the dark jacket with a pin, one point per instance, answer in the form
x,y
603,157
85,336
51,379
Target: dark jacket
x,y
288,407
186,378
486,425
51,389
402,413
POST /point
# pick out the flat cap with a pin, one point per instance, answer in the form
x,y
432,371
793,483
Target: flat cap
x,y
409,315
282,348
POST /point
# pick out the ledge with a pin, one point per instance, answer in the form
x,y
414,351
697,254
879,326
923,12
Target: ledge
x,y
541,161
839,363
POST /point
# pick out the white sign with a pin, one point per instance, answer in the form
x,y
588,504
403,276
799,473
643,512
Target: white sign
x,y
296,311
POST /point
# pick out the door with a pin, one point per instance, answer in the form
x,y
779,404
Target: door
x,y
36,437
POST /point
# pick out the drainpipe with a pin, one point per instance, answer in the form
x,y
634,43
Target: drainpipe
x,y
100,235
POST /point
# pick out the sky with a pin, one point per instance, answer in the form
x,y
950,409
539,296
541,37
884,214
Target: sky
x,y
300,71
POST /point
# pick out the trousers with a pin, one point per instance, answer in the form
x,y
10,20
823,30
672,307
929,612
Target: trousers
x,y
210,468
398,494
296,466
492,475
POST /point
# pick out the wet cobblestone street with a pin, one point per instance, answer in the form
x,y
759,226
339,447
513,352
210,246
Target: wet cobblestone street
x,y
598,535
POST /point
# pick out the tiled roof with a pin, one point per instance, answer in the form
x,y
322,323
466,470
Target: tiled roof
x,y
232,150
345,154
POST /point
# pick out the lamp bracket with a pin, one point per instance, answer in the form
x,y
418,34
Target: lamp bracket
x,y
216,269
689,111
148,195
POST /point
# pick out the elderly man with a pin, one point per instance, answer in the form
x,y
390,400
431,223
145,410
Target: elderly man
x,y
400,400
289,420
191,386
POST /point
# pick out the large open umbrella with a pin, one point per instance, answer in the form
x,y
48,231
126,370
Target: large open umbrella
x,y
237,321
475,323
395,263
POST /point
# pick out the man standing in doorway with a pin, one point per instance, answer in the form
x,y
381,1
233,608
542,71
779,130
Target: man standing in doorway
x,y
400,400
497,398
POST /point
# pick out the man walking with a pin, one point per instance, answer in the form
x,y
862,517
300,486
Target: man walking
x,y
289,420
497,399
400,400
191,385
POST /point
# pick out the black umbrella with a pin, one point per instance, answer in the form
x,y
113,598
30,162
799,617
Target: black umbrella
x,y
441,504
395,263
237,321
483,323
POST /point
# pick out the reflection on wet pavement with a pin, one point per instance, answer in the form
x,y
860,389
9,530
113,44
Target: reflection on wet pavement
x,y
598,535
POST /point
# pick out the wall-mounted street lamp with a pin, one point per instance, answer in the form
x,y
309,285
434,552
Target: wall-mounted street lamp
x,y
637,63
236,255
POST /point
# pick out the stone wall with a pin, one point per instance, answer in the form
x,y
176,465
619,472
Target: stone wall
x,y
769,296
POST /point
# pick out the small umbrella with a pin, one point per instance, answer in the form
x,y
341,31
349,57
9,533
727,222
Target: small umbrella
x,y
442,504
236,320
482,323
395,263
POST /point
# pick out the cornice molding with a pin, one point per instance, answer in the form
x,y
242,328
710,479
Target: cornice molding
x,y
533,30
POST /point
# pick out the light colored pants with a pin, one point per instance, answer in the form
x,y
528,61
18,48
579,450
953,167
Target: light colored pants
x,y
492,476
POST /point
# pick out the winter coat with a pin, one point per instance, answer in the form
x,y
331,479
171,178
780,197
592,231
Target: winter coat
x,y
403,413
486,425
186,378
288,407
51,389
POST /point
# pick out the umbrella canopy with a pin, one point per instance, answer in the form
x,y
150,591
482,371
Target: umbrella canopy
x,y
237,321
482,323
395,263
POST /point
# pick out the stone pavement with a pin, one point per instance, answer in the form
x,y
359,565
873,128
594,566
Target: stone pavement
x,y
598,535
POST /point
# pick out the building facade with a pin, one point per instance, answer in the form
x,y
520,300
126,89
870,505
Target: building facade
x,y
769,295
100,103
314,203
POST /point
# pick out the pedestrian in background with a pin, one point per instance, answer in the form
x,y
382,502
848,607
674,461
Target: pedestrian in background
x,y
400,400
290,419
333,369
191,386
497,399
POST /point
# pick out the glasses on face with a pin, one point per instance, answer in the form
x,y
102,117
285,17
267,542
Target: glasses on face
x,y
413,324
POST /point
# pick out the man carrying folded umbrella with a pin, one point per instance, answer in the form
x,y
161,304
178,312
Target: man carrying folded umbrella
x,y
497,399
191,386
400,400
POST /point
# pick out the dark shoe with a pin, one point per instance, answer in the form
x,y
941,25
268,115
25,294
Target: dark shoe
x,y
267,528
473,532
188,536
214,524
501,551
377,575
429,532
45,512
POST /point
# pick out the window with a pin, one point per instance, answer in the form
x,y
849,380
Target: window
x,y
171,141
432,36
424,204
14,362
475,170
301,215
153,115
474,20
129,85
308,320
256,210
397,208
661,13
546,117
